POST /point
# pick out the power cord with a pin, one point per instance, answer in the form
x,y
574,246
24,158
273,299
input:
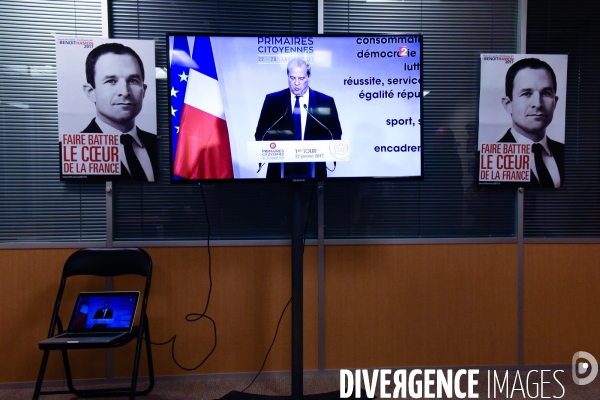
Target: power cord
x,y
193,317
290,300
271,346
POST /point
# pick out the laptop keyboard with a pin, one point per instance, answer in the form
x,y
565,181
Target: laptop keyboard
x,y
93,334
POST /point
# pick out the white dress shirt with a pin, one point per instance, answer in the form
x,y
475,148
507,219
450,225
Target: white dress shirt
x,y
138,148
546,156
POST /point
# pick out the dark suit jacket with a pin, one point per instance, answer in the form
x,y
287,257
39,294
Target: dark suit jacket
x,y
276,122
558,152
149,141
109,311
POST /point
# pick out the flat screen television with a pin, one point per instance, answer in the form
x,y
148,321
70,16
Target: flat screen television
x,y
306,107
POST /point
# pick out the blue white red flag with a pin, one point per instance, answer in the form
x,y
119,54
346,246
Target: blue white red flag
x,y
202,149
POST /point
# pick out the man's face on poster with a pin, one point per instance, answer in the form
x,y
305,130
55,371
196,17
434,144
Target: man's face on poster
x,y
298,79
119,90
533,102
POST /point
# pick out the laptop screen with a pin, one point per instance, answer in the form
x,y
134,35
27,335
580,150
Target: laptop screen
x,y
104,311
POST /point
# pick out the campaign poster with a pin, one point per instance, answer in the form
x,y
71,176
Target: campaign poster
x,y
232,110
106,109
522,120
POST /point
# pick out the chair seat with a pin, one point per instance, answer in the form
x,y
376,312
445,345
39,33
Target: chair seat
x,y
121,341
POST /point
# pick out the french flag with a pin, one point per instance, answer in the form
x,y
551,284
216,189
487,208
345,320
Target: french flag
x,y
203,150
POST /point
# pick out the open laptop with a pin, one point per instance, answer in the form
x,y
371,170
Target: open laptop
x,y
98,318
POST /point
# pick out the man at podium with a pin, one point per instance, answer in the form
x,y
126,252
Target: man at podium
x,y
298,113
104,312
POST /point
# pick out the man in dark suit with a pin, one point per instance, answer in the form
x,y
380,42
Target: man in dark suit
x,y
104,312
530,98
115,84
298,113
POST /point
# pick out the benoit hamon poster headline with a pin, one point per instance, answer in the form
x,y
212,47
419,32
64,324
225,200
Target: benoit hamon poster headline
x,y
522,119
106,109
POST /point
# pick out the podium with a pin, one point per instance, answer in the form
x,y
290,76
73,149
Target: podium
x,y
291,151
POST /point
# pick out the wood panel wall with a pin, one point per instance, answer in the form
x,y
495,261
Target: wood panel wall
x,y
561,302
419,305
388,305
251,286
28,288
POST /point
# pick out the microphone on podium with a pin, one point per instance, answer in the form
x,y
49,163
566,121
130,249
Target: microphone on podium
x,y
260,165
328,130
319,122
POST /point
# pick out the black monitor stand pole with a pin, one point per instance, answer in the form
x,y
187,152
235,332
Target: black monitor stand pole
x,y
297,284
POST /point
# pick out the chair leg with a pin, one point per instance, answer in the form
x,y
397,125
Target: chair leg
x,y
146,335
68,375
136,365
40,379
149,357
136,361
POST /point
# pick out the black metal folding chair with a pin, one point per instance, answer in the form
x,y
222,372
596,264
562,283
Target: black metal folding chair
x,y
104,262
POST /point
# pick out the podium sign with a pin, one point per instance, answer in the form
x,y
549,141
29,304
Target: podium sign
x,y
298,151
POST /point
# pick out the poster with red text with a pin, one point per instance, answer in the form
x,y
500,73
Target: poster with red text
x,y
106,109
522,120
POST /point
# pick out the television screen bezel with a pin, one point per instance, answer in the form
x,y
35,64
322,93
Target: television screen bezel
x,y
179,180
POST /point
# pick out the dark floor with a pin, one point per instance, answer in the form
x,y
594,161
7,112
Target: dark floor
x,y
515,386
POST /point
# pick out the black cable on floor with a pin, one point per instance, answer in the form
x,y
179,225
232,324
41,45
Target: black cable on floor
x,y
270,347
193,317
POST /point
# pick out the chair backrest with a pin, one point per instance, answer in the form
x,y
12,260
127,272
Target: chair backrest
x,y
108,262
